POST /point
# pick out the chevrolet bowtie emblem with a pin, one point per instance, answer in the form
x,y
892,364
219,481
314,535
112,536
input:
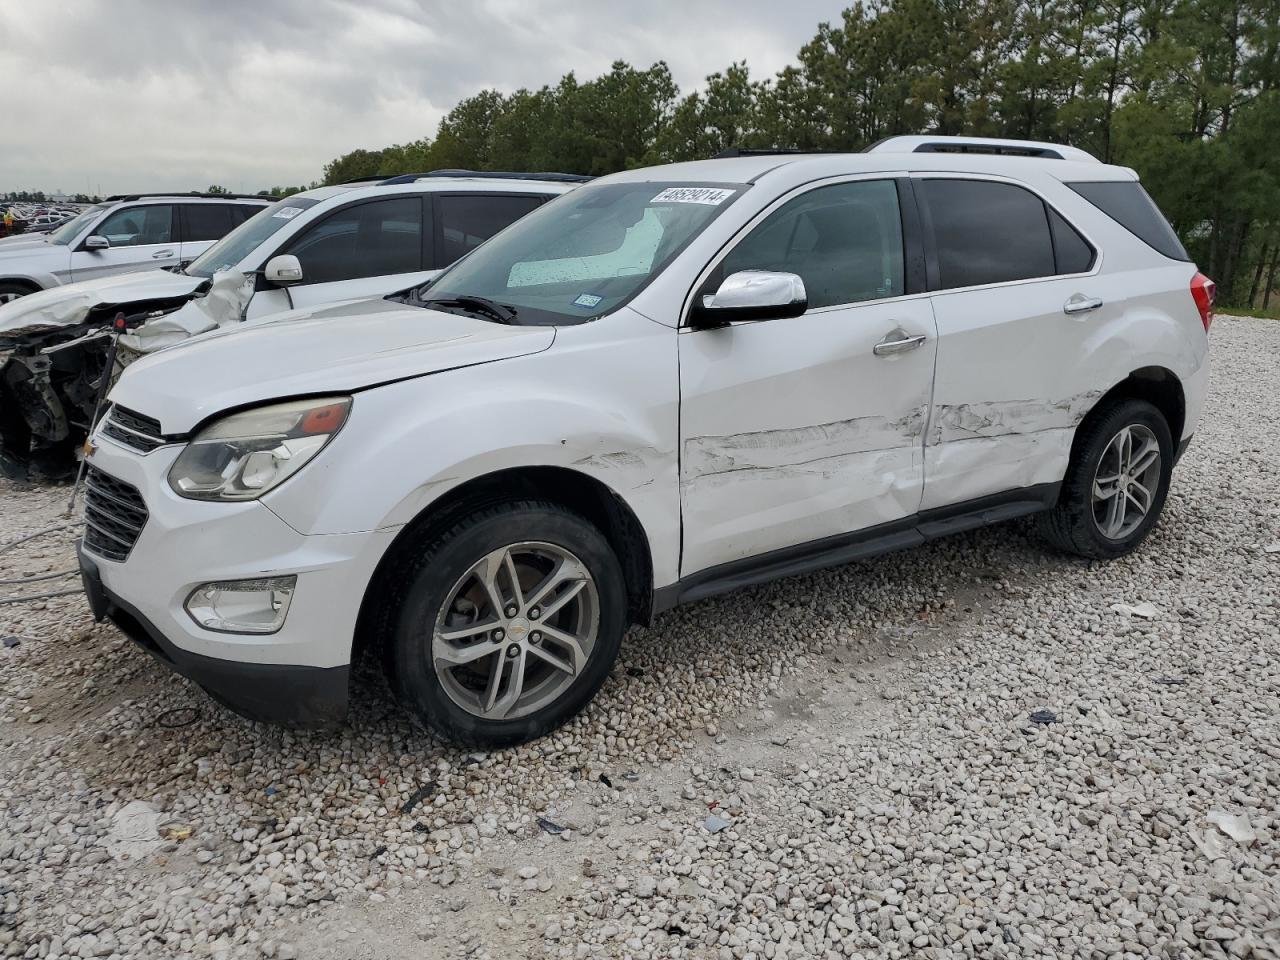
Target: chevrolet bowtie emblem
x,y
89,448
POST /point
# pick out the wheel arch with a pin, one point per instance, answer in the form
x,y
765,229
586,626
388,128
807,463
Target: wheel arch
x,y
577,491
31,285
1157,385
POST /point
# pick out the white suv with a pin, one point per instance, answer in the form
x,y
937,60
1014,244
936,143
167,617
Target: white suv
x,y
669,383
361,239
125,234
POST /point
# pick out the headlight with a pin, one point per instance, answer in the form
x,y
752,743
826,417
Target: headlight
x,y
242,456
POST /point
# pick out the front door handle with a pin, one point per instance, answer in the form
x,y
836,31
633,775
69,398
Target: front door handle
x,y
161,254
1081,304
897,341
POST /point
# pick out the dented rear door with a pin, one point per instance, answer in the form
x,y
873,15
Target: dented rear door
x,y
1012,381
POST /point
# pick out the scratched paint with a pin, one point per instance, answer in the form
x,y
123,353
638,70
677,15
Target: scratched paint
x,y
798,448
999,418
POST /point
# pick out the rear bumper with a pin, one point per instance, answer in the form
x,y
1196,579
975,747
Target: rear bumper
x,y
288,694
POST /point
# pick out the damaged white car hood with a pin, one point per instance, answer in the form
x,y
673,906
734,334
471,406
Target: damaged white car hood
x,y
334,349
68,305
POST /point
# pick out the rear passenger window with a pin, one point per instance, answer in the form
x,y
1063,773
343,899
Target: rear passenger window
x,y
468,221
844,241
240,212
206,221
987,232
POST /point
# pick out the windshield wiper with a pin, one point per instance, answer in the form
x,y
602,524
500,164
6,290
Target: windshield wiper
x,y
475,304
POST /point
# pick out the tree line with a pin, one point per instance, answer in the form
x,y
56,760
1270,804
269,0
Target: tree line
x,y
1184,91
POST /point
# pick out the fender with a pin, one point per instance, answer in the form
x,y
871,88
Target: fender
x,y
587,404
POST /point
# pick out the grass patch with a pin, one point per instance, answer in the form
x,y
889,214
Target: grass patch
x,y
1272,313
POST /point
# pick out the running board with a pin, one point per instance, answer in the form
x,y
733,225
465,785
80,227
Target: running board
x,y
858,545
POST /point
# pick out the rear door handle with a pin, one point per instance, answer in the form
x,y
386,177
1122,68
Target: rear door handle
x,y
897,342
1081,304
161,254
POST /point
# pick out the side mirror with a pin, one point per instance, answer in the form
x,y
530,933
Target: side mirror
x,y
752,295
283,271
97,243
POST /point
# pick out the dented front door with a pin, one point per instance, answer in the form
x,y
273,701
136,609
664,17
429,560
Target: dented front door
x,y
795,430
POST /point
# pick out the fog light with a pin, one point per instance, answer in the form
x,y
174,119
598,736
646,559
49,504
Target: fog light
x,y
242,606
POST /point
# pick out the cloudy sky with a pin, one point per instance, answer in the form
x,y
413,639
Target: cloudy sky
x,y
179,94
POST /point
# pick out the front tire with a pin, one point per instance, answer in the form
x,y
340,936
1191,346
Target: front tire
x,y
504,626
12,291
1116,484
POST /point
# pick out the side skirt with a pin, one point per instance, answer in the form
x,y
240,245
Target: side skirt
x,y
858,545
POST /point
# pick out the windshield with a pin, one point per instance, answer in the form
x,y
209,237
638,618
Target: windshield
x,y
244,239
584,254
71,229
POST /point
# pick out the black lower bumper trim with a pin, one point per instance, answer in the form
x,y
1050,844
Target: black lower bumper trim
x,y
287,694
1182,448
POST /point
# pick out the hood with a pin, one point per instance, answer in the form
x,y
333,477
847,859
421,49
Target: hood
x,y
22,241
68,305
335,349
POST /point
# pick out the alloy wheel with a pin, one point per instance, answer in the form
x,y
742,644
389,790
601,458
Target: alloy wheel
x,y
1126,481
516,630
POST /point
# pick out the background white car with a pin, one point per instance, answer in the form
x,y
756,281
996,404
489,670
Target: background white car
x,y
125,234
367,238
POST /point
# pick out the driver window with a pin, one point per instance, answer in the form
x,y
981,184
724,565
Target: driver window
x,y
365,240
844,241
135,226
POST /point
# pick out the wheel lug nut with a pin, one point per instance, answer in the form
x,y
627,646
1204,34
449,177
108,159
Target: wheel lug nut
x,y
534,613
535,637
513,651
499,635
512,611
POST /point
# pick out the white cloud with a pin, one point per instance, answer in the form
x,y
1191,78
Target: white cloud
x,y
152,94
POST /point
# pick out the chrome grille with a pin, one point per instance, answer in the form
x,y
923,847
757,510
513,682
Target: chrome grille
x,y
114,515
134,430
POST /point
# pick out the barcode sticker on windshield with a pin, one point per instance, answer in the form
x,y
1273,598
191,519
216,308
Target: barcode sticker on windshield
x,y
709,195
287,213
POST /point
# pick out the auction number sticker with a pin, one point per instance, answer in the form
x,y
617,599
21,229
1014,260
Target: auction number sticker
x,y
588,300
713,196
287,213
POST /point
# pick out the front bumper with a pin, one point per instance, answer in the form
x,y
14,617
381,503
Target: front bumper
x,y
297,675
296,696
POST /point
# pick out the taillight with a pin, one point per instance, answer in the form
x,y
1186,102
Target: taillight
x,y
1203,290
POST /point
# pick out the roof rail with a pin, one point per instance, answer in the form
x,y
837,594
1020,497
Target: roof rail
x,y
732,152
980,145
177,193
486,175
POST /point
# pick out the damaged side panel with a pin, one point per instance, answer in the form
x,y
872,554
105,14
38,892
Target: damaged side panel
x,y
1015,377
794,430
981,448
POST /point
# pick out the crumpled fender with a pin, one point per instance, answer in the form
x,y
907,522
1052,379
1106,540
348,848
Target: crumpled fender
x,y
229,293
69,304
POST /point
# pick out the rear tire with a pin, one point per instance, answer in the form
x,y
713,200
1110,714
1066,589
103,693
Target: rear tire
x,y
503,626
1116,484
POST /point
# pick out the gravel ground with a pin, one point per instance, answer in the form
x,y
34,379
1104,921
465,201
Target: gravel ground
x,y
842,764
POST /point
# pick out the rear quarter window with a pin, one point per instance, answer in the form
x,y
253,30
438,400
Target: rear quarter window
x,y
1125,202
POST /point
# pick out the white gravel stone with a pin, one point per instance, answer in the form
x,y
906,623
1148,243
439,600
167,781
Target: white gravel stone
x,y
863,730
